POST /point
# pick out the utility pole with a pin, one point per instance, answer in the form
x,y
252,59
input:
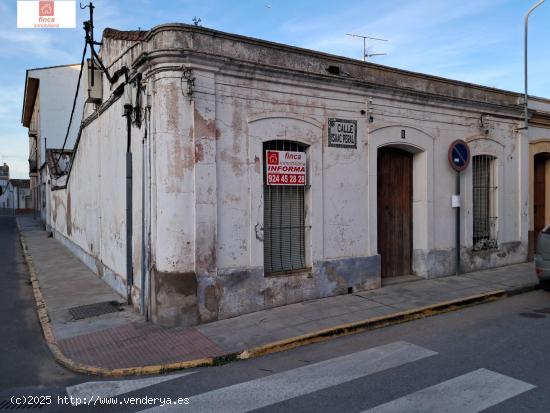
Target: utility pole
x,y
90,38
365,54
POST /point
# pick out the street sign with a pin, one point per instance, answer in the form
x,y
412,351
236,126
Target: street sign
x,y
285,168
342,133
459,155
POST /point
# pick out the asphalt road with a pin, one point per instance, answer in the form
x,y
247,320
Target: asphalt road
x,y
26,363
493,357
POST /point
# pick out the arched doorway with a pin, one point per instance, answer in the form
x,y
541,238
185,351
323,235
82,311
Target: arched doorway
x,y
394,198
541,164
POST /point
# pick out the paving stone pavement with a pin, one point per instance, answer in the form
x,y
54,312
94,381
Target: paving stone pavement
x,y
306,317
124,339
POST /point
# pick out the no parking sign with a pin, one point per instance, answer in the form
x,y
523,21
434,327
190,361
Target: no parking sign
x,y
459,155
459,159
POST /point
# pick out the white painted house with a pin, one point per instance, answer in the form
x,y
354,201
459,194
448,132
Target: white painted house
x,y
47,103
213,236
16,197
4,179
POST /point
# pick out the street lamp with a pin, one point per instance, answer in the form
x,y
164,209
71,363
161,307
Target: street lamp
x,y
525,103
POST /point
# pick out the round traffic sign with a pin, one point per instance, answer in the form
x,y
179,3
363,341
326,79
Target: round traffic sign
x,y
459,155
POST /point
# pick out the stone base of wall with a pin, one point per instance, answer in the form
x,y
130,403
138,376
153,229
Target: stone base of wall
x,y
507,253
186,299
441,263
174,298
241,291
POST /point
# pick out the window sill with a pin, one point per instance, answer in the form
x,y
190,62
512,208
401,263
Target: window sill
x,y
300,271
486,244
485,250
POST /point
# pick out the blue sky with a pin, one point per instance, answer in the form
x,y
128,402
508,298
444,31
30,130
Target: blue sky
x,y
479,41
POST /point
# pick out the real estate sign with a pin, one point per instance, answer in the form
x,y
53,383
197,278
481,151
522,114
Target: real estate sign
x,y
285,168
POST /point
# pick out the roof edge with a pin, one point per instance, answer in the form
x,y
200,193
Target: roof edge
x,y
29,99
131,35
324,55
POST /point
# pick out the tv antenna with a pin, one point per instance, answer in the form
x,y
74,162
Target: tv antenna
x,y
365,54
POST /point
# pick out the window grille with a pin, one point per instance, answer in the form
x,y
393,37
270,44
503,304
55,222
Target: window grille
x,y
484,192
284,219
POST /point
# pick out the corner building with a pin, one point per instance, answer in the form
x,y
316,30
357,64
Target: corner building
x,y
212,239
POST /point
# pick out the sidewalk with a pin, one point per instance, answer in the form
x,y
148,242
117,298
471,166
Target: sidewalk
x,y
122,340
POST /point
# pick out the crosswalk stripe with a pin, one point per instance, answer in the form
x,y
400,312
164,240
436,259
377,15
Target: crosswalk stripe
x,y
251,395
104,389
469,393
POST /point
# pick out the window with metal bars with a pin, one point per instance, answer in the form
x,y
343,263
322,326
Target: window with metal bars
x,y
284,219
484,193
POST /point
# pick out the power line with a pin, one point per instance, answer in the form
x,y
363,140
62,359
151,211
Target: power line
x,y
74,103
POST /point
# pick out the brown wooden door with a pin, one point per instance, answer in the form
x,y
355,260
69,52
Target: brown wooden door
x,y
395,211
539,194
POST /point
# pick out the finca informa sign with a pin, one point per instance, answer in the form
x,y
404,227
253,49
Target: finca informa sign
x,y
286,168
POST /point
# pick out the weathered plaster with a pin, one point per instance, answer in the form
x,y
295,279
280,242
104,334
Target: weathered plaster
x,y
206,211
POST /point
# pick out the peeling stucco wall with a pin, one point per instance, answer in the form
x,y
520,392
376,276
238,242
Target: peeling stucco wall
x,y
91,210
207,172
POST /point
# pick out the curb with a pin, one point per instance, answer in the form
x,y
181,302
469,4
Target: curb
x,y
75,366
383,321
269,348
373,323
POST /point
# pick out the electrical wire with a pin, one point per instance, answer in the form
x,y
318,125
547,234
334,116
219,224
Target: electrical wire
x,y
129,49
74,103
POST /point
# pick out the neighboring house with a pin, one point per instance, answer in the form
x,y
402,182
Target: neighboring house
x,y
366,195
47,103
535,196
4,179
17,196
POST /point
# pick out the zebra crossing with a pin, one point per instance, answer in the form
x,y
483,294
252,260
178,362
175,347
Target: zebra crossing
x,y
469,393
105,389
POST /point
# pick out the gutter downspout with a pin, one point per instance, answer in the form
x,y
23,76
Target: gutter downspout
x,y
37,181
129,252
144,235
149,211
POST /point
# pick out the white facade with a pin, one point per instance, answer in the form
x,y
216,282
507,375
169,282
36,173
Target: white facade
x,y
16,196
215,99
48,100
4,178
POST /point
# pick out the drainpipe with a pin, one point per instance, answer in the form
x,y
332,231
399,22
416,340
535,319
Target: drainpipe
x,y
144,235
129,270
37,179
149,212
